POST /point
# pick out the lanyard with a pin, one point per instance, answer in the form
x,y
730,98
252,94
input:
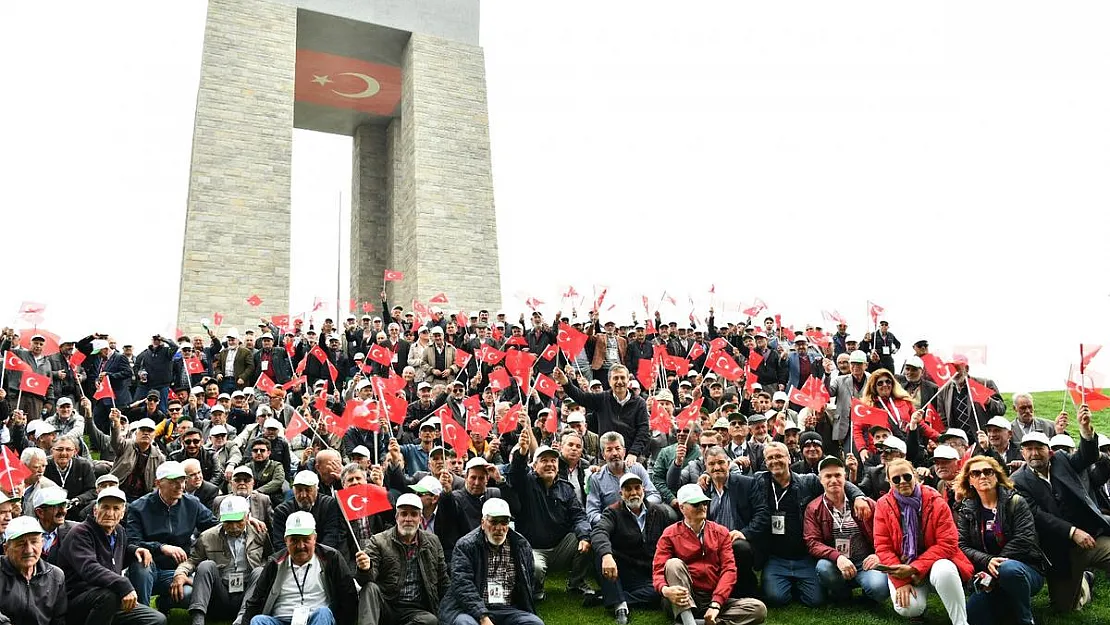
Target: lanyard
x,y
840,525
892,411
301,583
778,498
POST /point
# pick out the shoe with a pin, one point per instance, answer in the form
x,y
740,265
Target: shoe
x,y
592,599
539,596
1084,593
582,589
1089,577
621,616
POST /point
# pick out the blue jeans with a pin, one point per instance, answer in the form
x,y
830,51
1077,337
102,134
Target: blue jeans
x,y
1015,586
781,577
156,581
634,589
319,616
873,583
500,615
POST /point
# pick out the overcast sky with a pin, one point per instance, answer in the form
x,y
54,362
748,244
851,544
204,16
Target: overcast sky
x,y
946,160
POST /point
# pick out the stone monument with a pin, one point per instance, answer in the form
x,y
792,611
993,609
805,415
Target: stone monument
x,y
405,79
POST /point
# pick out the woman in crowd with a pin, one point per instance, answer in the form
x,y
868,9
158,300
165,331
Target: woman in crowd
x,y
998,535
916,539
882,391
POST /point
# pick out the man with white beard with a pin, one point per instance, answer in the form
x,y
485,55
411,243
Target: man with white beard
x,y
408,574
492,573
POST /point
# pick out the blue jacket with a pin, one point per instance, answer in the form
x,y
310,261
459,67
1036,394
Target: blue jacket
x,y
468,577
151,524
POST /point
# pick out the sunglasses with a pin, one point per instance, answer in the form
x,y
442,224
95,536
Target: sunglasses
x,y
984,472
700,504
499,521
898,479
885,383
192,442
259,450
178,409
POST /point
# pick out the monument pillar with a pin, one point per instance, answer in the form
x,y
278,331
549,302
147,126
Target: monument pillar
x,y
370,213
237,213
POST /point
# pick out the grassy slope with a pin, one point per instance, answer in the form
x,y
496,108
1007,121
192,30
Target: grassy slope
x,y
562,609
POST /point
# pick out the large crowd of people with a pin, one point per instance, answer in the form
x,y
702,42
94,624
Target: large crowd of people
x,y
430,468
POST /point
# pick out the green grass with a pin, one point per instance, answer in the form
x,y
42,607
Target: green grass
x,y
563,609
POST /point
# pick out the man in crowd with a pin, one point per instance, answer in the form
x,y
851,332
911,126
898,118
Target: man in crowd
x,y
615,410
137,460
49,510
1074,534
408,573
604,485
1027,422
624,540
694,570
305,582
268,474
164,522
197,486
234,365
462,508
491,574
552,518
93,557
956,406
32,592
242,485
307,498
71,472
191,448
223,564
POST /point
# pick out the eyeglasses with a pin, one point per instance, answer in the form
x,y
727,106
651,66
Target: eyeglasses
x,y
178,409
707,445
192,442
898,479
499,521
885,383
700,504
984,472
259,450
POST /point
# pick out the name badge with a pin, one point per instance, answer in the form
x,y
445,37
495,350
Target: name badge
x,y
778,524
844,546
495,593
394,359
300,615
886,351
990,526
265,365
235,582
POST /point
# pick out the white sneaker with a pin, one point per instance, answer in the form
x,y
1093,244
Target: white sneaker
x,y
1084,594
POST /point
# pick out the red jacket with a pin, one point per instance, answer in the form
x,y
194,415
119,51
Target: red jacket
x,y
712,566
818,528
941,539
903,409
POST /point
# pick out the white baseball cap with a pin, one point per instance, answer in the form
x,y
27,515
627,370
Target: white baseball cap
x,y
915,361
300,524
999,422
272,424
428,484
22,525
895,443
944,452
628,477
49,497
691,493
1062,440
1035,438
361,450
953,432
217,430
234,508
476,461
577,417
779,396
495,508
99,344
306,478
111,492
170,470
857,357
145,423
409,499
544,449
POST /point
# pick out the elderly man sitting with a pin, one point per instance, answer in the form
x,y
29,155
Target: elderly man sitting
x,y
49,509
224,564
32,592
93,557
164,522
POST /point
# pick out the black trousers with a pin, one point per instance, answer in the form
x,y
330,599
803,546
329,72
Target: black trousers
x,y
100,606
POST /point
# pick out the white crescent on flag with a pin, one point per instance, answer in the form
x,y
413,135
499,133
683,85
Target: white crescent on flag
x,y
353,507
32,383
857,411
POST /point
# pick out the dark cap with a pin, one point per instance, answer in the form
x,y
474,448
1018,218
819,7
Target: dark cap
x,y
811,437
830,461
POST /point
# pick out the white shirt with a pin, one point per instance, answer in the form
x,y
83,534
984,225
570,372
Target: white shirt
x,y
229,364
310,584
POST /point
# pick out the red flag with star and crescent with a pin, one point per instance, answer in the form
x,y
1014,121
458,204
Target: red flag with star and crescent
x,y
490,354
462,358
15,363
454,434
550,352
392,276
867,415
194,366
297,424
346,83
939,371
34,383
689,414
104,389
723,365
510,421
499,379
380,354
265,384
571,341
646,372
980,394
363,500
12,471
546,385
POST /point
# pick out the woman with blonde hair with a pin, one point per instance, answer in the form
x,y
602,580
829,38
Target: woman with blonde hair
x,y
883,391
999,536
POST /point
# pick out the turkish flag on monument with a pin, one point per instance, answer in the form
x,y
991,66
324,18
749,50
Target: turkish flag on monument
x,y
34,383
362,500
346,83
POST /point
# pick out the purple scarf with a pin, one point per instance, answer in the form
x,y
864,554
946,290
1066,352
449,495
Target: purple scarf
x,y
911,522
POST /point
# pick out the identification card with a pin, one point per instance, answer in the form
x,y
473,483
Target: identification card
x,y
300,615
235,582
265,365
495,594
989,526
778,524
886,351
843,546
394,359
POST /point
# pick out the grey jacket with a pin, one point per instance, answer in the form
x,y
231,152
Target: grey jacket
x,y
41,601
842,389
126,453
212,545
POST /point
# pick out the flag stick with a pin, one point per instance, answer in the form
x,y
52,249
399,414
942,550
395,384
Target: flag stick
x,y
377,458
352,530
19,399
3,369
8,470
1067,392
1082,378
974,412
